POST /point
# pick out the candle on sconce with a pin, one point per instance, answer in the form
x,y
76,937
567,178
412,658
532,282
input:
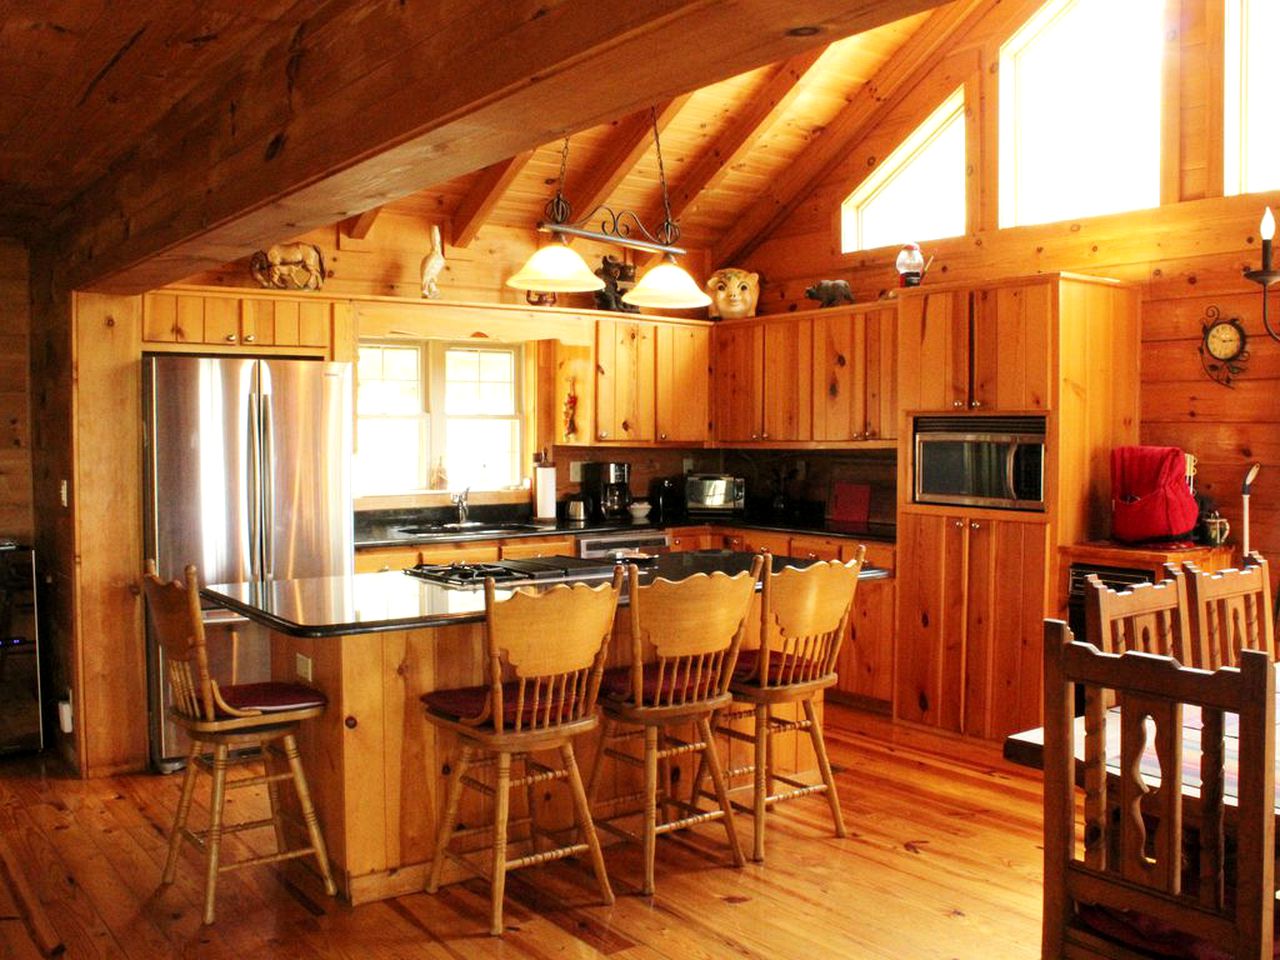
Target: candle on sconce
x,y
1267,230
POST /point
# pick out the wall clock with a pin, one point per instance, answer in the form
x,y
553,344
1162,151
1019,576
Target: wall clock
x,y
1222,346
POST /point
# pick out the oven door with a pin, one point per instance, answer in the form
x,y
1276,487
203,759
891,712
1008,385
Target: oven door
x,y
980,470
608,545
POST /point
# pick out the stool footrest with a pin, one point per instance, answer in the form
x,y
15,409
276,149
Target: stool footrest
x,y
267,858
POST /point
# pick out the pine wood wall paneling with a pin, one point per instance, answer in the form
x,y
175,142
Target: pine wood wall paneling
x,y
17,516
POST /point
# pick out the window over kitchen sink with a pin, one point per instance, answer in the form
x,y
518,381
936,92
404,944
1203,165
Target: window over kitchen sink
x,y
435,415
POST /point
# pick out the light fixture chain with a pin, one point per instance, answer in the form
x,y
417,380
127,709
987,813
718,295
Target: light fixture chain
x,y
668,232
558,209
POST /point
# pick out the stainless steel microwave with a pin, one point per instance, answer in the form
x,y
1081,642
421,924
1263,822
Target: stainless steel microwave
x,y
714,493
980,461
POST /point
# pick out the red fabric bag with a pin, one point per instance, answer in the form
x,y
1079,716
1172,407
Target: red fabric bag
x,y
1149,495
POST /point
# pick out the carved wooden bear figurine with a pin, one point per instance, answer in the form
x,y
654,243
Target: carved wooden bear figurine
x,y
829,293
618,278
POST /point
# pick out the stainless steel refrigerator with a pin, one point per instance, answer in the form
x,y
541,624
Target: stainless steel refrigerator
x,y
248,476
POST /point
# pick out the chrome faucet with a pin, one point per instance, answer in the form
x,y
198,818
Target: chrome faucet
x,y
460,501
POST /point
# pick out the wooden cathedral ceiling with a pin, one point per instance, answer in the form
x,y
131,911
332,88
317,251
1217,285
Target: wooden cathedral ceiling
x,y
142,143
739,154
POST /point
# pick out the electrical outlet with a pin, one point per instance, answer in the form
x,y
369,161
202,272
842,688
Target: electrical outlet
x,y
302,667
575,471
62,492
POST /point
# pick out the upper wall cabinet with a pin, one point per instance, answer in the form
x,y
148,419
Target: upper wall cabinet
x,y
626,360
855,371
234,321
763,376
982,349
683,375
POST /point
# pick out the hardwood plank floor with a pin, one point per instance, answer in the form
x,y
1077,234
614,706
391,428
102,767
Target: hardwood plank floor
x,y
943,861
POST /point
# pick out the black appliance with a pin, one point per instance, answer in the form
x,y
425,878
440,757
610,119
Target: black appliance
x,y
512,573
666,499
608,485
19,652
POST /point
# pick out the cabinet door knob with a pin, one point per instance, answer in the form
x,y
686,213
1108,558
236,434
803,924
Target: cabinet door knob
x,y
231,338
974,525
755,436
604,434
957,403
250,338
662,436
764,436
959,524
976,404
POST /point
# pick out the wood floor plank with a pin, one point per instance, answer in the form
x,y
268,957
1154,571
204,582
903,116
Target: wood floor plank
x,y
943,860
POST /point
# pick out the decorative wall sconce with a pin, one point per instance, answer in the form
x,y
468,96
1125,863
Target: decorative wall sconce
x,y
1266,277
558,268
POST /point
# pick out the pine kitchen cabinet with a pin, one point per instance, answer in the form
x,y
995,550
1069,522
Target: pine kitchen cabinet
x,y
969,615
855,378
969,622
626,371
978,349
763,378
235,321
683,389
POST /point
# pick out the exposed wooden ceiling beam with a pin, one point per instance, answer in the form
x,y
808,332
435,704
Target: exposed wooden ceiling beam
x,y
484,195
358,227
744,131
628,142
329,117
870,104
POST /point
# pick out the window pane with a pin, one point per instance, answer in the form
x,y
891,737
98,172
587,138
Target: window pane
x,y
370,363
495,366
1080,142
1251,140
389,458
461,365
918,192
495,398
400,363
383,397
462,398
482,454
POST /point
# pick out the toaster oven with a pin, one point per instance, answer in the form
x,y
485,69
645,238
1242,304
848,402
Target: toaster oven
x,y
710,493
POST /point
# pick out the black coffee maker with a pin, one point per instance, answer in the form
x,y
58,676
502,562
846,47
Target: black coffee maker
x,y
608,484
666,497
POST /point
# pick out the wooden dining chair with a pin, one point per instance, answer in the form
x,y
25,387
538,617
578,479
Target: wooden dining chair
x,y
552,644
685,638
1148,617
1139,885
1231,611
243,716
804,613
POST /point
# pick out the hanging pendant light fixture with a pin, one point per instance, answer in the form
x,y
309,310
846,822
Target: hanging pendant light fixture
x,y
557,268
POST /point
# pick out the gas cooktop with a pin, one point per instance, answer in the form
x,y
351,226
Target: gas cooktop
x,y
512,573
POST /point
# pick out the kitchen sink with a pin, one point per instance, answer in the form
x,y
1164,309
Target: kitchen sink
x,y
470,526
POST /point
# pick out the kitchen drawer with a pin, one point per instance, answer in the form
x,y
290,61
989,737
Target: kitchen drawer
x,y
538,547
376,559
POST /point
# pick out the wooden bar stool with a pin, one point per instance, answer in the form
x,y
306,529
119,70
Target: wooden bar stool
x,y
262,715
803,617
554,644
685,637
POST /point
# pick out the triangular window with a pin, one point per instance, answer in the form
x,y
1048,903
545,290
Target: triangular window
x,y
1080,95
1251,75
917,192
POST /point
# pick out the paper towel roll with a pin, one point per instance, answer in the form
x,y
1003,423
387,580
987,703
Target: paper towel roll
x,y
544,485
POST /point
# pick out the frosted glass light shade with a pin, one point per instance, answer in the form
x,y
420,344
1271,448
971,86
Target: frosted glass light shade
x,y
666,286
555,268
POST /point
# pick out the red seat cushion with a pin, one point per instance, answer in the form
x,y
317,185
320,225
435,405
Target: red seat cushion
x,y
467,702
271,697
617,685
748,659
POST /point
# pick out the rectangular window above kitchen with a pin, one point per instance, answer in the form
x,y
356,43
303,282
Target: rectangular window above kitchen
x,y
437,416
917,192
1250,77
1080,107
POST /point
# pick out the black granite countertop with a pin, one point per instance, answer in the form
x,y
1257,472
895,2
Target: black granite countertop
x,y
377,602
392,532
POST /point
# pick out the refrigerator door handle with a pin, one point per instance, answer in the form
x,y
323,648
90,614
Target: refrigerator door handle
x,y
255,491
268,490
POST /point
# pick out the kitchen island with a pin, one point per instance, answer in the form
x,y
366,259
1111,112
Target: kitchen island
x,y
373,644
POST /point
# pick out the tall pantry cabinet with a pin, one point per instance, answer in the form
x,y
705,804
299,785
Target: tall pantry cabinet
x,y
981,580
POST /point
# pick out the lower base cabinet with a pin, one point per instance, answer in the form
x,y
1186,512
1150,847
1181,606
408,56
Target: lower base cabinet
x,y
970,622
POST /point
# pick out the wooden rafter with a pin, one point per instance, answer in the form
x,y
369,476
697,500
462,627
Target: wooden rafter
x,y
358,227
627,144
484,195
745,130
870,104
346,126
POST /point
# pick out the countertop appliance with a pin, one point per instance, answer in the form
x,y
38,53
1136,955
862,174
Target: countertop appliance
x,y
608,485
714,493
666,495
19,652
980,461
512,573
248,475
